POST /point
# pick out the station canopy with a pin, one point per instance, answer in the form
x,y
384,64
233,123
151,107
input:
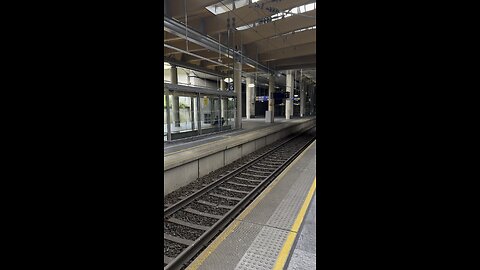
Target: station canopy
x,y
277,35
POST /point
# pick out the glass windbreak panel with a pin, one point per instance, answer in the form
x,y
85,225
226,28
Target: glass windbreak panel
x,y
226,123
183,116
231,113
165,114
210,114
216,113
166,72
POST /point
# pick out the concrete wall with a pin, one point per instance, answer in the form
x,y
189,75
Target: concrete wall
x,y
210,163
248,148
180,175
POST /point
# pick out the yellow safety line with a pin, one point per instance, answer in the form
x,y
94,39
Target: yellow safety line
x,y
287,246
231,228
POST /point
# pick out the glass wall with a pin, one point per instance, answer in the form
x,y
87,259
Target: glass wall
x,y
183,119
231,113
185,113
210,114
166,115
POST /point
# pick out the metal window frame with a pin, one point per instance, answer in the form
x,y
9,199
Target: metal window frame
x,y
170,89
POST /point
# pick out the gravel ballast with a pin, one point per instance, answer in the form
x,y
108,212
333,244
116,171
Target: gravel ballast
x,y
181,231
229,193
219,201
172,249
208,209
194,218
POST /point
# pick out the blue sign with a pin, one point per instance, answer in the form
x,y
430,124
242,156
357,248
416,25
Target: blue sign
x,y
261,98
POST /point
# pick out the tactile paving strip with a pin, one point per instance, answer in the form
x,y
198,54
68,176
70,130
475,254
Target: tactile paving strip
x,y
276,202
263,252
286,212
304,254
231,250
257,241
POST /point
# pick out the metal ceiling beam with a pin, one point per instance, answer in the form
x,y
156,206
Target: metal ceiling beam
x,y
196,89
285,41
192,47
177,28
298,66
312,58
196,55
195,67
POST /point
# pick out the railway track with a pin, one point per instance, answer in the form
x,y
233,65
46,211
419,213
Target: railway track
x,y
192,222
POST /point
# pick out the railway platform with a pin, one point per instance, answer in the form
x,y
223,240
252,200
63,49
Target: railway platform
x,y
248,125
276,231
186,161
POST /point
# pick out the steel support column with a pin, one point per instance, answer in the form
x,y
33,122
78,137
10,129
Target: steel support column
x,y
175,101
199,113
302,97
271,102
224,100
312,99
250,99
237,85
169,131
289,89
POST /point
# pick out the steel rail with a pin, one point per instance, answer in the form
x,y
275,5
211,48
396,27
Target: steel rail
x,y
187,254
